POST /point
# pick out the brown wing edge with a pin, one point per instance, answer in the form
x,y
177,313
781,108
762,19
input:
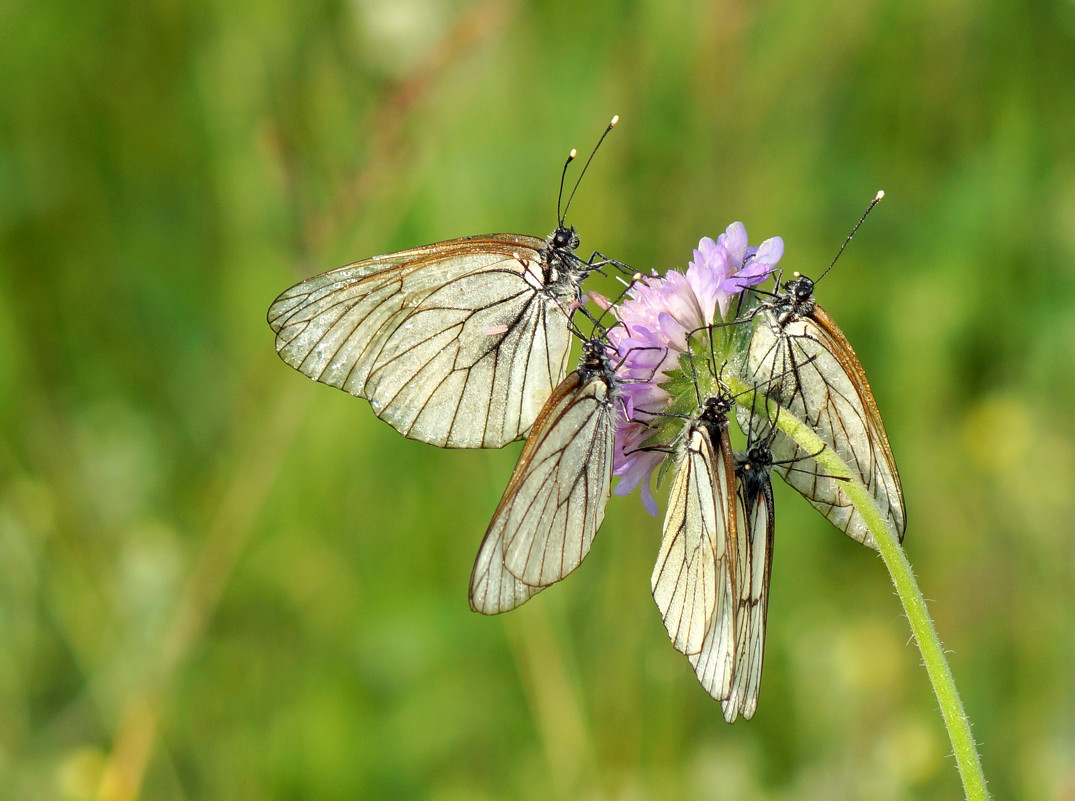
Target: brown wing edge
x,y
405,261
845,354
545,421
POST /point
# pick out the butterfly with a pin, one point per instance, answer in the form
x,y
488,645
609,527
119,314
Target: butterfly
x,y
554,503
810,369
457,343
711,579
694,579
825,386
753,567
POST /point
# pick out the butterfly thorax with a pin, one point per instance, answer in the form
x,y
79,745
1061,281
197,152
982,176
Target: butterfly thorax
x,y
595,361
714,414
752,469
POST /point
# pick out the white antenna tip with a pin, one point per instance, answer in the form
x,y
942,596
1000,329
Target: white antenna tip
x,y
615,119
880,194
572,154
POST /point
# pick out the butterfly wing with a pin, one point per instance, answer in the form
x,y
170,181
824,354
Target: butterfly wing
x,y
456,344
714,664
555,500
808,367
690,576
754,513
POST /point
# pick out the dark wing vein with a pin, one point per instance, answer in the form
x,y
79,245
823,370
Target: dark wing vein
x,y
555,500
754,499
423,335
714,663
685,575
819,380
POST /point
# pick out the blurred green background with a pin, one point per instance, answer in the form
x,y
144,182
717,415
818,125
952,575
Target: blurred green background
x,y
219,580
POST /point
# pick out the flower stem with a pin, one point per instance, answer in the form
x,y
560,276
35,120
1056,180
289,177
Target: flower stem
x,y
914,605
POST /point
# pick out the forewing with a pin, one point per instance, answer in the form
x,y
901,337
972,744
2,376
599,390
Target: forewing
x,y
456,344
754,513
809,368
684,580
555,501
714,664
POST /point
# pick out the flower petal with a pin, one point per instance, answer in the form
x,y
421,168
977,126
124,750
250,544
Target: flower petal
x,y
657,316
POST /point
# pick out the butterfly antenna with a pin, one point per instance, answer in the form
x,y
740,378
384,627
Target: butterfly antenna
x,y
724,387
876,199
789,462
749,430
694,375
560,197
623,360
627,287
776,377
711,352
770,436
808,471
767,438
593,153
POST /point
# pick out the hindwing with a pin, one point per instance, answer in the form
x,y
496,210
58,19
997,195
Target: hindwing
x,y
807,366
692,578
555,500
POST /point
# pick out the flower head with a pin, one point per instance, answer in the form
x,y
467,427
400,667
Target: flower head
x,y
658,318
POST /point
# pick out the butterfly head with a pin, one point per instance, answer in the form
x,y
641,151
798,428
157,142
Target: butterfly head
x,y
563,239
714,413
561,263
800,288
796,301
716,408
755,464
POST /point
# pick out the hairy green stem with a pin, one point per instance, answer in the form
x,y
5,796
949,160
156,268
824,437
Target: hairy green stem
x,y
914,605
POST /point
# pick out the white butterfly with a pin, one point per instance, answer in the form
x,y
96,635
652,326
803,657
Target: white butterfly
x,y
555,500
808,367
457,344
694,579
753,566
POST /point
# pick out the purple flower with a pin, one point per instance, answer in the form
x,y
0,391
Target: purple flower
x,y
657,318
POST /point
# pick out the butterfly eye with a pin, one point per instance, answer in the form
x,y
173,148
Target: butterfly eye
x,y
565,239
760,458
803,288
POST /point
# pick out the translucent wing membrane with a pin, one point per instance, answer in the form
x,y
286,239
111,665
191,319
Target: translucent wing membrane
x,y
555,501
694,579
753,565
806,365
456,344
715,663
711,581
684,580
